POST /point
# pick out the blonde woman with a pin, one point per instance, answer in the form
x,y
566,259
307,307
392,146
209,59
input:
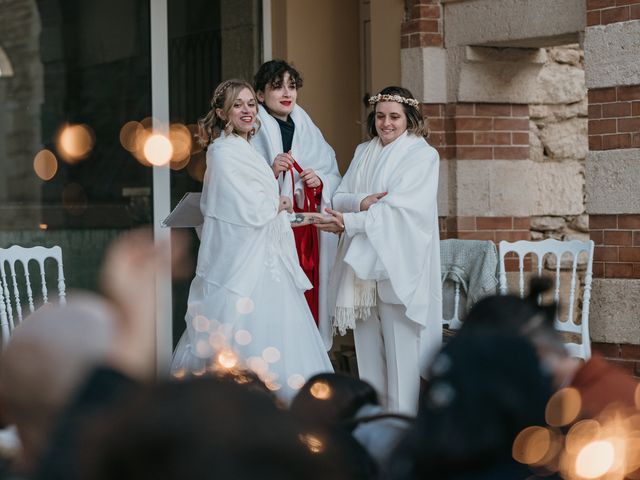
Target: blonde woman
x,y
386,279
246,304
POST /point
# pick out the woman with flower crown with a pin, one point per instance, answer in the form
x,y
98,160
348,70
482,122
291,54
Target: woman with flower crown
x,y
386,278
246,304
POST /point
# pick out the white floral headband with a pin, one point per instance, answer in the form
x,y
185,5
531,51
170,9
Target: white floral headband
x,y
393,98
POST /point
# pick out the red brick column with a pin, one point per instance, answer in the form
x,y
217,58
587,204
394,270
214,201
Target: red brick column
x,y
614,118
604,12
614,124
423,25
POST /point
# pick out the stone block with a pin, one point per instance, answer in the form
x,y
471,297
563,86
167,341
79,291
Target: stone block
x,y
612,54
521,189
580,223
547,223
614,311
516,23
559,83
571,56
424,72
493,76
566,139
612,179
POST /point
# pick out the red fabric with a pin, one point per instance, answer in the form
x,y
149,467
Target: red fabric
x,y
307,245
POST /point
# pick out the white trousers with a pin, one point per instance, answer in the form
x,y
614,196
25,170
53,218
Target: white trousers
x,y
388,354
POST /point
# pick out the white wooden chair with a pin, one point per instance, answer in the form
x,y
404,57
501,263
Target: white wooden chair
x,y
554,251
12,280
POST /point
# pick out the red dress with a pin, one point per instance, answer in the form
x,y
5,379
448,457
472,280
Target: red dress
x,y
307,245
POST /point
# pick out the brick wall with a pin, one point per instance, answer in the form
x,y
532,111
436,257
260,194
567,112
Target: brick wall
x,y
614,118
492,131
624,356
478,131
440,120
423,24
617,251
604,12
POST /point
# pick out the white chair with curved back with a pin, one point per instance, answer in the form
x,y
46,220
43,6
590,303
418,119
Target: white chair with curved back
x,y
555,251
16,292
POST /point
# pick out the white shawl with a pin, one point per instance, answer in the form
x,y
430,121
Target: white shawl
x,y
242,225
310,150
400,241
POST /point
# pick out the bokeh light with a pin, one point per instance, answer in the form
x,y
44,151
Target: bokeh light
x,y
195,144
243,337
197,166
45,164
180,138
258,365
203,349
158,149
563,407
312,442
595,459
531,445
321,390
129,134
227,359
244,305
580,434
201,323
74,142
295,381
271,354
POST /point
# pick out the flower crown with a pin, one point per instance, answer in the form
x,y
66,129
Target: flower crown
x,y
393,98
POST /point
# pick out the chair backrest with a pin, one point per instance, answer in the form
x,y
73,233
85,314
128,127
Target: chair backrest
x,y
555,251
455,322
12,300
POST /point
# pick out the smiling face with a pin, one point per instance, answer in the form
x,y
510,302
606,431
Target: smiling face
x,y
242,113
280,98
391,121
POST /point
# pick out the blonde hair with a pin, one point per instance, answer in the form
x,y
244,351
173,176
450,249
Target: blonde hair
x,y
211,125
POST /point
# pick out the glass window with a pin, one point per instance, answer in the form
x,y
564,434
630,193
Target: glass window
x,y
72,74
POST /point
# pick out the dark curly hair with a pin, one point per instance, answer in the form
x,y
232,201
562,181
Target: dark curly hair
x,y
272,72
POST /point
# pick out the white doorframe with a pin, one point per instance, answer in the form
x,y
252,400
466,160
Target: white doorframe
x,y
161,179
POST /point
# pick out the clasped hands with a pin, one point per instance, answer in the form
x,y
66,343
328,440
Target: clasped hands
x,y
284,161
334,220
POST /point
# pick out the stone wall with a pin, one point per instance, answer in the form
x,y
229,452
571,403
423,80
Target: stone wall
x,y
558,134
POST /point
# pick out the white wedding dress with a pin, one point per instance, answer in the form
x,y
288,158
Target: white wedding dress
x,y
246,306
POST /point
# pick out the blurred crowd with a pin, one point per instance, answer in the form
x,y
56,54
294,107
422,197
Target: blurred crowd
x,y
503,400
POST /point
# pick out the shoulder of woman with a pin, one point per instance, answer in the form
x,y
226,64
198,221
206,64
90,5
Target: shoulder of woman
x,y
362,146
420,147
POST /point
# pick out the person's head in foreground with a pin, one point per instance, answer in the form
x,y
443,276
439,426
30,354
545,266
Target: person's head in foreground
x,y
49,355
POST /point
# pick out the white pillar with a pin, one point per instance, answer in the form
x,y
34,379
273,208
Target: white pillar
x,y
161,178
